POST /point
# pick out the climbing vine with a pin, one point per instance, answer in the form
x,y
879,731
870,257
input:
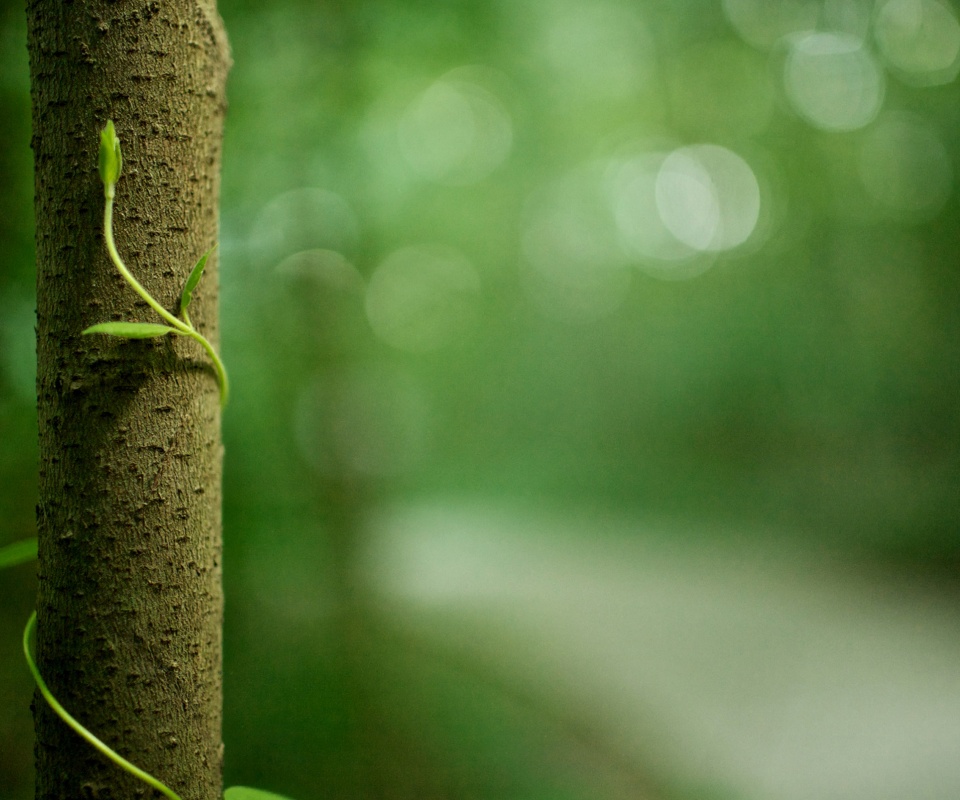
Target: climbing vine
x,y
111,161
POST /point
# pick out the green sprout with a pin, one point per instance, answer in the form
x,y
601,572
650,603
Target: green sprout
x,y
111,163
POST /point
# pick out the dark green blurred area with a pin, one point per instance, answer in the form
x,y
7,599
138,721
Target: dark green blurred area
x,y
435,284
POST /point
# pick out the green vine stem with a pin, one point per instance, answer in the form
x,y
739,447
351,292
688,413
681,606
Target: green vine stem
x,y
111,162
20,553
133,769
24,551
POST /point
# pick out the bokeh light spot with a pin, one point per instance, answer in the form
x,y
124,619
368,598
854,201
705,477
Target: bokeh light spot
x,y
905,168
847,16
598,50
833,81
687,202
303,219
708,197
577,270
324,267
633,197
422,297
919,40
457,131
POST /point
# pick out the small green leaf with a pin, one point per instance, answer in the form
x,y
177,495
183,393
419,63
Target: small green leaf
x,y
131,330
18,553
246,793
111,161
187,295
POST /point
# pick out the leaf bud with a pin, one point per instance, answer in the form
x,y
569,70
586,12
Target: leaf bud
x,y
110,159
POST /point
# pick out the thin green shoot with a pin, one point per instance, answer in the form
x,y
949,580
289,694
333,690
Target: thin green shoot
x,y
131,330
110,165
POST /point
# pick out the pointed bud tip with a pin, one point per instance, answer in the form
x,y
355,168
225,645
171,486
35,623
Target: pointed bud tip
x,y
111,160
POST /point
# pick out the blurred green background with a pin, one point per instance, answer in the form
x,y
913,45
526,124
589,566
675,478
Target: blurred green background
x,y
595,424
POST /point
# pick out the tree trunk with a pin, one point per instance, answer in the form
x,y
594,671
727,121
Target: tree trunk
x,y
130,603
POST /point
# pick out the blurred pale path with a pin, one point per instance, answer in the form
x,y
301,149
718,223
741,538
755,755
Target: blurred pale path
x,y
756,670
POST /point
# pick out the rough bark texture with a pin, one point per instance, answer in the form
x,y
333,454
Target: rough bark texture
x,y
130,604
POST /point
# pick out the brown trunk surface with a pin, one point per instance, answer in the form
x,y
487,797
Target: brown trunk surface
x,y
130,603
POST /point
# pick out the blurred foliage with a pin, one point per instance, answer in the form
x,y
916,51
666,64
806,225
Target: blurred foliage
x,y
686,259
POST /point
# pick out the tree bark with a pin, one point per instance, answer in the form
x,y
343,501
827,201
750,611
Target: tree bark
x,y
130,602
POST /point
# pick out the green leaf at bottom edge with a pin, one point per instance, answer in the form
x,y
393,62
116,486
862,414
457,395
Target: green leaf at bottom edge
x,y
246,793
131,330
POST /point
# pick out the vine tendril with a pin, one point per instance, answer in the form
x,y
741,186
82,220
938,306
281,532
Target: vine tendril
x,y
71,721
